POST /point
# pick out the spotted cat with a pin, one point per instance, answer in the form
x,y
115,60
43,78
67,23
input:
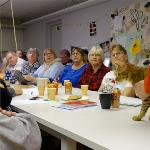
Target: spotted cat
x,y
144,108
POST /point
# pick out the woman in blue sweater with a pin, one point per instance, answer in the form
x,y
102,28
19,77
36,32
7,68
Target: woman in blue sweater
x,y
74,71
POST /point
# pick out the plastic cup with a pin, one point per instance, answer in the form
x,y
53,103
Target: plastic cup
x,y
41,86
84,89
51,93
105,100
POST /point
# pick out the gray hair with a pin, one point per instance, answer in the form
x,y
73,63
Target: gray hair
x,y
33,50
96,50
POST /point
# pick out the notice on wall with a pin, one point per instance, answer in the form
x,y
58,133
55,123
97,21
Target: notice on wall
x,y
118,23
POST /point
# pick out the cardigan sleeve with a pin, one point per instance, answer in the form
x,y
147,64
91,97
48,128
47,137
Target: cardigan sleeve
x,y
19,132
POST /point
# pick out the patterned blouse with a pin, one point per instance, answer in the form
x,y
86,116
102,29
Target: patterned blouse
x,y
93,79
30,69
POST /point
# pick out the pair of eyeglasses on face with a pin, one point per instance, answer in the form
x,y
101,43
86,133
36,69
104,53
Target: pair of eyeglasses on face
x,y
73,54
116,54
46,54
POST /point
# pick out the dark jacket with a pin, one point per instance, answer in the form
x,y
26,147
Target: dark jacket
x,y
5,96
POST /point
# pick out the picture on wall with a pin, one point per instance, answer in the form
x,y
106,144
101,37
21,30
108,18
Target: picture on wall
x,y
92,28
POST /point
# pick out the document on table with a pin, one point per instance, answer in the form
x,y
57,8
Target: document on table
x,y
130,101
75,104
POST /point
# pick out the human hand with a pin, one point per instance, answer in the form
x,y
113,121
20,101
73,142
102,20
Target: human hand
x,y
29,78
7,113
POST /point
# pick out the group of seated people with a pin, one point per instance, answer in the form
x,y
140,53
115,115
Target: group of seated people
x,y
78,70
127,77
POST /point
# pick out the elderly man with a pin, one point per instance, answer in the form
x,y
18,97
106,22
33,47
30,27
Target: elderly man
x,y
32,64
65,57
14,62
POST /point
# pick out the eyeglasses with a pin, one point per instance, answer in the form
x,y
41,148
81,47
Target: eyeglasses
x,y
48,54
76,54
116,54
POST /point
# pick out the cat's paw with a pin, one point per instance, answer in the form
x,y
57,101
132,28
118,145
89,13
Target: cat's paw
x,y
136,118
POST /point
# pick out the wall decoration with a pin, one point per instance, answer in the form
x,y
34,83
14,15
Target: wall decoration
x,y
105,46
92,28
134,32
145,56
118,22
106,49
120,39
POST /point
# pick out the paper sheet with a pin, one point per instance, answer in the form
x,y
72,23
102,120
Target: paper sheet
x,y
129,101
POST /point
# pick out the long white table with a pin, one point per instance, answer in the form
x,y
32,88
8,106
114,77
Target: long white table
x,y
97,128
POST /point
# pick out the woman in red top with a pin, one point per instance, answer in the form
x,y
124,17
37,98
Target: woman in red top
x,y
142,88
95,71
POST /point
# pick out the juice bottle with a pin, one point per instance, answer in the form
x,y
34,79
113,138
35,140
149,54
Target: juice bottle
x,y
115,98
56,86
68,87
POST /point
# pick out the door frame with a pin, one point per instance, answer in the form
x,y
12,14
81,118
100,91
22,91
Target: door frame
x,y
48,41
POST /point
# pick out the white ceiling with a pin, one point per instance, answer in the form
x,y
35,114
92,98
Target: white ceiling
x,y
25,10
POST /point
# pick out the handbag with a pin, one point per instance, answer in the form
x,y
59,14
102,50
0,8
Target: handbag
x,y
5,95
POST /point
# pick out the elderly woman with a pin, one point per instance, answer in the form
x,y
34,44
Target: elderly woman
x,y
74,71
95,71
32,64
125,75
51,68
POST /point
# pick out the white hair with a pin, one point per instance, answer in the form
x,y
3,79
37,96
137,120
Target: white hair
x,y
96,50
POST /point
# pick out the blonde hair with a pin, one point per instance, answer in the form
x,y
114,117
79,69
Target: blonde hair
x,y
119,47
11,52
50,50
96,50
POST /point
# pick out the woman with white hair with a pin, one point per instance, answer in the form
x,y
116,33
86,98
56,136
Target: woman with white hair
x,y
95,71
